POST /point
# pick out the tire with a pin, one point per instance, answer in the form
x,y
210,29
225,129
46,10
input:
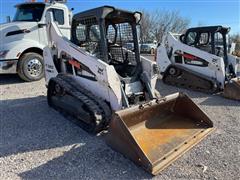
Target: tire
x,y
174,72
31,67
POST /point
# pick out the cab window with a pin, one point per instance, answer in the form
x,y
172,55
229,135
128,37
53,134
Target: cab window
x,y
204,39
191,37
58,15
218,38
81,33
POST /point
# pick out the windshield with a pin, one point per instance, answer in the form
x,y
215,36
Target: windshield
x,y
29,12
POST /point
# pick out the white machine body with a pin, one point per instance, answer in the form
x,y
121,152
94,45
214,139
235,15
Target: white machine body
x,y
215,68
95,75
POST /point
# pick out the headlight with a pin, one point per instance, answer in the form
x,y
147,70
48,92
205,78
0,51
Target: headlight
x,y
3,53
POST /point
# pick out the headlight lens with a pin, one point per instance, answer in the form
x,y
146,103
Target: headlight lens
x,y
3,53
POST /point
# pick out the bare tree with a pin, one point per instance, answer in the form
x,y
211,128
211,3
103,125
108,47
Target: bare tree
x,y
236,39
146,26
157,23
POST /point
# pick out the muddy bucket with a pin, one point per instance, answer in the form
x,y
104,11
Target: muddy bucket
x,y
232,89
155,134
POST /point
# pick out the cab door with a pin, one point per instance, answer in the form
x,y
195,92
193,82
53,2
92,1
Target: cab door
x,y
61,16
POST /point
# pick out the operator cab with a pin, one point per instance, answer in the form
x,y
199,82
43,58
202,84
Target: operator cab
x,y
106,32
212,39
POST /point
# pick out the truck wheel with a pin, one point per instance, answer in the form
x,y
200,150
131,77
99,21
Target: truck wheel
x,y
30,67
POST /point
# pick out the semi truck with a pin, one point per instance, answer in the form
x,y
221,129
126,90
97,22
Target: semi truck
x,y
23,39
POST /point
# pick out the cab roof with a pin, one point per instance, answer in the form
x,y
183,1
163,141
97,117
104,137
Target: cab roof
x,y
104,11
217,28
30,3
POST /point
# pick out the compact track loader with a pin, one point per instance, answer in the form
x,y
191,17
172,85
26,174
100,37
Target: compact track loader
x,y
199,60
97,81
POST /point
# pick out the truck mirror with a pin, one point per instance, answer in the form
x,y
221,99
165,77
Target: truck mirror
x,y
41,25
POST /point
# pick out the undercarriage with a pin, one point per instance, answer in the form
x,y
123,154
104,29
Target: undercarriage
x,y
69,98
185,78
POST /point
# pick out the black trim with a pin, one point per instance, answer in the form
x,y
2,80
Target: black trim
x,y
41,25
87,77
22,31
219,28
190,59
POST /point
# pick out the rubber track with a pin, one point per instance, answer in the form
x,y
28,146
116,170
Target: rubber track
x,y
99,117
106,111
167,79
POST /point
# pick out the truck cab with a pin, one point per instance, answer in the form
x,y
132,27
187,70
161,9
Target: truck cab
x,y
23,39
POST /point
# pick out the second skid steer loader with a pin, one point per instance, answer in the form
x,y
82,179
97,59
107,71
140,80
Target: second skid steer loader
x,y
199,60
105,86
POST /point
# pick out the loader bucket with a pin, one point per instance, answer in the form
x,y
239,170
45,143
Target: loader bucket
x,y
232,89
156,134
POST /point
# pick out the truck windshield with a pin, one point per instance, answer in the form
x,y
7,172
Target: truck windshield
x,y
29,12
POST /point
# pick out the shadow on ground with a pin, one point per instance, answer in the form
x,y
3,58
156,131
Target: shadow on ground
x,y
205,99
10,79
32,127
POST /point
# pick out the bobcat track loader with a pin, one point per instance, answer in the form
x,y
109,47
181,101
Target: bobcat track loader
x,y
199,60
104,86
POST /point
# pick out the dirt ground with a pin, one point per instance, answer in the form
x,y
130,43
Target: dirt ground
x,y
36,142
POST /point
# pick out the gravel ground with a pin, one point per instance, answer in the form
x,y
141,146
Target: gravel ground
x,y
38,143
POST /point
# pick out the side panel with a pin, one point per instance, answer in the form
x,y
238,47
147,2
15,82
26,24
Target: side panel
x,y
109,91
162,58
50,69
115,95
235,62
148,68
18,47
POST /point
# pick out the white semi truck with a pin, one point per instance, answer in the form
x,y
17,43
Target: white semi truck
x,y
22,40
